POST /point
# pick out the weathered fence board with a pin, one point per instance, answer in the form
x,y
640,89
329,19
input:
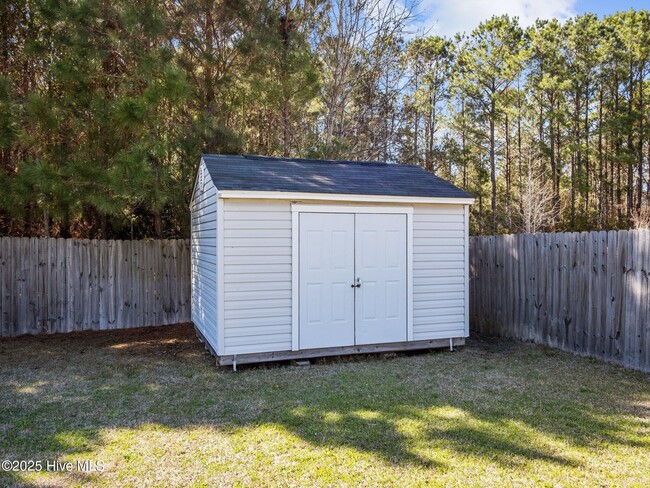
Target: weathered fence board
x,y
64,285
582,292
588,293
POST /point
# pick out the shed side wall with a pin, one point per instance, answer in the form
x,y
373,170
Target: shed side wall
x,y
257,276
438,271
203,211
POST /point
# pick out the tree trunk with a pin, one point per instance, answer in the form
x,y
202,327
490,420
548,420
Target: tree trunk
x,y
463,143
286,142
554,171
617,152
630,150
508,175
64,230
157,225
493,171
480,215
601,163
520,159
46,223
416,123
103,226
576,163
641,142
587,169
558,165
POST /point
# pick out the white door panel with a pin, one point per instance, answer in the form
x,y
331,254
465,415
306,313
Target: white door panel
x,y
380,256
326,274
336,250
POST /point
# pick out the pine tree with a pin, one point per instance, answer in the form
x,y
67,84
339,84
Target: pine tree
x,y
100,116
488,64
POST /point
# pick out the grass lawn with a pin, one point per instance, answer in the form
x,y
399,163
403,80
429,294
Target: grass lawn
x,y
151,406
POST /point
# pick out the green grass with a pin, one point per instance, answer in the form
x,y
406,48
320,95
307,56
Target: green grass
x,y
151,405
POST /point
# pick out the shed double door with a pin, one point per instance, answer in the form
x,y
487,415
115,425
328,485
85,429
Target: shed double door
x,y
352,279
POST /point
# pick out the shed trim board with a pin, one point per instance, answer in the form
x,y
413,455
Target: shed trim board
x,y
466,225
221,301
343,197
298,208
246,292
409,274
295,266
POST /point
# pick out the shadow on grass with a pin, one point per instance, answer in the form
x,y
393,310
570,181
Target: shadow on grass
x,y
403,411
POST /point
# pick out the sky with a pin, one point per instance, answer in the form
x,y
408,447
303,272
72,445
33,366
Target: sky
x,y
446,17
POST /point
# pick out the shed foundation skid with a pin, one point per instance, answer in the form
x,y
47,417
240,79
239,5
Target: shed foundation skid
x,y
340,351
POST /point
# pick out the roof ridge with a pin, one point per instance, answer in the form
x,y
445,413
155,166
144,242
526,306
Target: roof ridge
x,y
311,160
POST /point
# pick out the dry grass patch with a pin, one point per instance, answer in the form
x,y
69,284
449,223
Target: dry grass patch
x,y
151,405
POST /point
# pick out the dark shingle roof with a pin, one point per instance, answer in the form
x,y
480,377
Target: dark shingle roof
x,y
260,173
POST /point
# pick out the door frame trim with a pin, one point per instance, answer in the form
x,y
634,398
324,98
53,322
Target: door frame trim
x,y
298,208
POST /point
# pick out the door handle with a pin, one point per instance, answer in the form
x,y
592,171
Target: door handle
x,y
358,284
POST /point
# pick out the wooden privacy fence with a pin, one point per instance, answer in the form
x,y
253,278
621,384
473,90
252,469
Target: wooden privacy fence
x,y
64,285
582,292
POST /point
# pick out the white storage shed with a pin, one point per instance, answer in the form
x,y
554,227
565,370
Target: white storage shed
x,y
297,258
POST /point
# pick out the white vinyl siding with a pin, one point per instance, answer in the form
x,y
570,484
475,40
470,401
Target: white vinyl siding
x,y
257,276
438,271
245,248
204,256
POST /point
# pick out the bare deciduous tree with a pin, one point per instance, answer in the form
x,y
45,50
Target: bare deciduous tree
x,y
536,209
359,49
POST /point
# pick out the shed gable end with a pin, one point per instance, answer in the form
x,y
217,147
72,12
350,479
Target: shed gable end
x,y
203,209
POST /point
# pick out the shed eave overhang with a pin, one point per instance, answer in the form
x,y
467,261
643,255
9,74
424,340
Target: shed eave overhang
x,y
339,197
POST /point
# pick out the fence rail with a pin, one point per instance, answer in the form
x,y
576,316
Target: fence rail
x,y
582,292
64,285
